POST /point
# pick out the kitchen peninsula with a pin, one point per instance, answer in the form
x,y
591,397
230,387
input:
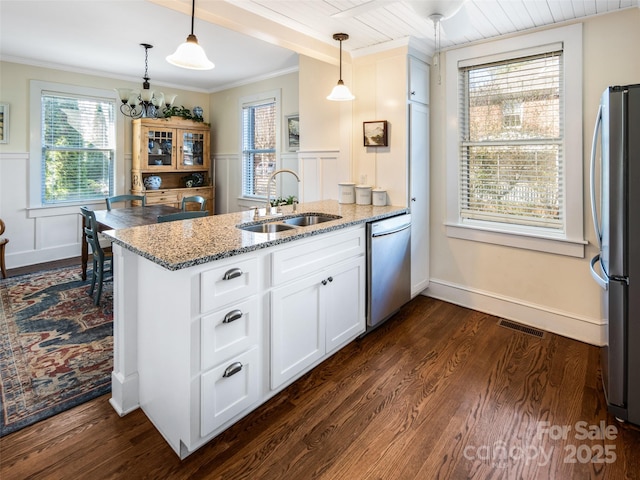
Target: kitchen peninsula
x,y
212,319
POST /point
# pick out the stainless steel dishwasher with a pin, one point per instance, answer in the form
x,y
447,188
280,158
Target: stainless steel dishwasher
x,y
388,268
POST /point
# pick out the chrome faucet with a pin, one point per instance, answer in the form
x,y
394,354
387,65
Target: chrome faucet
x,y
268,211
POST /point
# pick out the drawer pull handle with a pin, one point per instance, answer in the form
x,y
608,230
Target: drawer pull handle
x,y
232,316
232,273
232,369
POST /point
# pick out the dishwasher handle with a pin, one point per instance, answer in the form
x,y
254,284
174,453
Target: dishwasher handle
x,y
392,231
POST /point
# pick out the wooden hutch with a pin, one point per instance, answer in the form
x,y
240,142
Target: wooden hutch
x,y
176,150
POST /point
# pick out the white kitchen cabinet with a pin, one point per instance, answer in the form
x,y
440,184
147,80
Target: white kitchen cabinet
x,y
418,81
228,389
297,328
419,195
234,332
318,308
314,316
229,331
345,303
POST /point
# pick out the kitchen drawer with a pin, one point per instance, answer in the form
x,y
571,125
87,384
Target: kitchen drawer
x,y
228,389
296,261
229,283
228,332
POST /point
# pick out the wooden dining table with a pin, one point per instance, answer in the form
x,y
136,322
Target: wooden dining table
x,y
118,218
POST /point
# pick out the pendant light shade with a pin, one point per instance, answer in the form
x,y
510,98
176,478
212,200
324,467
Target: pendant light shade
x,y
189,54
340,92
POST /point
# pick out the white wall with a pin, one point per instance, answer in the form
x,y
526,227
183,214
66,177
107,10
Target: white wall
x,y
54,233
553,292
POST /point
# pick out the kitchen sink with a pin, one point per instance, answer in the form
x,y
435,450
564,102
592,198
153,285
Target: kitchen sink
x,y
266,227
309,219
281,225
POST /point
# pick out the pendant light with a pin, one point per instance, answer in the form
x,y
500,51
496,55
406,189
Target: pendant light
x,y
189,54
340,92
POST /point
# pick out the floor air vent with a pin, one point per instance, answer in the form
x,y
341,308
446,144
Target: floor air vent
x,y
521,328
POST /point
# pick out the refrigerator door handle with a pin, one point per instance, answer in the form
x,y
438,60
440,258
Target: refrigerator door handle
x,y
599,280
592,178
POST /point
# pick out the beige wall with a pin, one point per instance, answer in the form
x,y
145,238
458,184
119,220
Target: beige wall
x,y
380,81
40,236
225,136
225,109
14,82
555,291
321,120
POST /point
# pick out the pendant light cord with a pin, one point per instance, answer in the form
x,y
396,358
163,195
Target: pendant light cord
x,y
193,14
341,60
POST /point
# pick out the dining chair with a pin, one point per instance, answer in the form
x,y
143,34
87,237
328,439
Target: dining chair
x,y
170,217
99,255
3,243
194,199
125,198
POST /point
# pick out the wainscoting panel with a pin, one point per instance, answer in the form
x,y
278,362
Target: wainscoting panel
x,y
320,174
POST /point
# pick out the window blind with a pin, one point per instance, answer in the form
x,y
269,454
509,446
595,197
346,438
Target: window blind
x,y
258,146
78,148
511,148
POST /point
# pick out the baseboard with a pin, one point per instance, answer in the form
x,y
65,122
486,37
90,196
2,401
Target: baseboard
x,y
588,330
33,257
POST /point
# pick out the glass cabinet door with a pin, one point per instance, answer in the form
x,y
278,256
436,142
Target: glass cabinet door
x,y
159,148
192,150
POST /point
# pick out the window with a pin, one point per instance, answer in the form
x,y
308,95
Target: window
x,y
74,144
514,162
259,136
512,114
511,148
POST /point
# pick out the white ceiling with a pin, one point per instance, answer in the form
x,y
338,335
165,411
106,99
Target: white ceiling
x,y
246,39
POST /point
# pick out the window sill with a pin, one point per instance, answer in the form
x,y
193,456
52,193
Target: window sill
x,y
477,233
66,209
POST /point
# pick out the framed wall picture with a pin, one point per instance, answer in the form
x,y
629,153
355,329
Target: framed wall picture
x,y
293,132
4,123
375,133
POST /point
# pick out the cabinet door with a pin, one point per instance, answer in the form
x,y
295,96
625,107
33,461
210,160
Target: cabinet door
x,y
193,148
419,184
159,150
418,81
343,296
228,389
297,328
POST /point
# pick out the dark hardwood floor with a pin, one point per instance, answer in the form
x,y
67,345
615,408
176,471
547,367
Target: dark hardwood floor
x,y
439,391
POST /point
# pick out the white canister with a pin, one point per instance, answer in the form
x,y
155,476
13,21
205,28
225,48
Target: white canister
x,y
346,192
379,197
363,195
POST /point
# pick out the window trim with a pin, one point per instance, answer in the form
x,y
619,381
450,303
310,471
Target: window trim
x,y
257,99
570,241
35,206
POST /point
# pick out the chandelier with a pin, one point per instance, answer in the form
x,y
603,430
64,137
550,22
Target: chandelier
x,y
144,103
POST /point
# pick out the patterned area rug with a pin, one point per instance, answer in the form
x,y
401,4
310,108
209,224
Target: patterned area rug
x,y
56,347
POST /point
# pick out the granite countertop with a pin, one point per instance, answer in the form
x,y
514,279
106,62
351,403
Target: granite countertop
x,y
181,244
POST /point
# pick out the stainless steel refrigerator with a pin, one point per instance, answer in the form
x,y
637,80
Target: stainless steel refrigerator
x,y
615,205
